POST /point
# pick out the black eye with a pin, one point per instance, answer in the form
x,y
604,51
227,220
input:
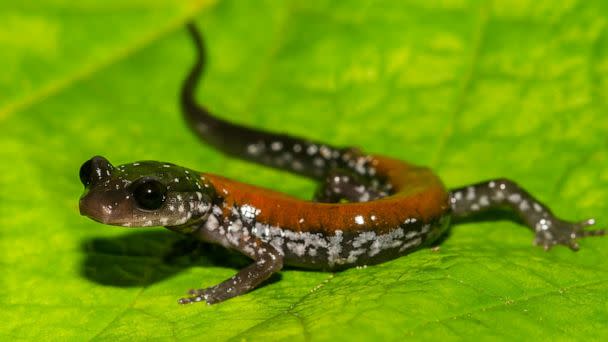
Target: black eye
x,y
85,172
149,194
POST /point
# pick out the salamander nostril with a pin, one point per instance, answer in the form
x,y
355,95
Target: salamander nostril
x,y
86,171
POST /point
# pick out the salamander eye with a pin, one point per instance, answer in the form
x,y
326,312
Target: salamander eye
x,y
86,171
149,194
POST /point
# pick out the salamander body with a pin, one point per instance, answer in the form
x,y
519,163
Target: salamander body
x,y
367,209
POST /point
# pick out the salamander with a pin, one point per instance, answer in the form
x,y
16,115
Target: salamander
x,y
367,209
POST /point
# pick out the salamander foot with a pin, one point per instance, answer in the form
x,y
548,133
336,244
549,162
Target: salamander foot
x,y
552,231
200,295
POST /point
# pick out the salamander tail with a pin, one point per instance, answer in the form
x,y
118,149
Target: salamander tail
x,y
297,155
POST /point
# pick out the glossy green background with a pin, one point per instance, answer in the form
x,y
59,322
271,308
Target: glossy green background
x,y
474,89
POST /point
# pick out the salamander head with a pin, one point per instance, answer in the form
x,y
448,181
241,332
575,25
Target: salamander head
x,y
142,194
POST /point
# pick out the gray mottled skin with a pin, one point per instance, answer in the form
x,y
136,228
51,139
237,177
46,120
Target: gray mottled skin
x,y
191,205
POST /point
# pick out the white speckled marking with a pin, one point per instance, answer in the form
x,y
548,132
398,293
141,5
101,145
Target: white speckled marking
x,y
484,201
249,212
312,149
514,198
470,193
359,219
276,146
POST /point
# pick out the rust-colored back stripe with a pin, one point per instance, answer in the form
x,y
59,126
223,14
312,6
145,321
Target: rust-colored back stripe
x,y
419,195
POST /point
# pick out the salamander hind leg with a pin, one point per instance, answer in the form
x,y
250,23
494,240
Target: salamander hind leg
x,y
346,185
549,229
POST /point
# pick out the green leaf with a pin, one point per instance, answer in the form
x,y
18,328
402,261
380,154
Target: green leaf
x,y
473,89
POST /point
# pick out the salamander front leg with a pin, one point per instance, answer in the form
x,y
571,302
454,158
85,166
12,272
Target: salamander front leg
x,y
267,261
550,230
234,232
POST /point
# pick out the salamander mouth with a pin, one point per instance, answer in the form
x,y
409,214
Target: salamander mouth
x,y
98,215
96,212
95,208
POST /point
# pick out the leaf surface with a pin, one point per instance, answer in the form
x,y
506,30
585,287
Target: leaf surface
x,y
475,90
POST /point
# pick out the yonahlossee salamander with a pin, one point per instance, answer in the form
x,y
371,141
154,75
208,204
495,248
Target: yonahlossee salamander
x,y
368,208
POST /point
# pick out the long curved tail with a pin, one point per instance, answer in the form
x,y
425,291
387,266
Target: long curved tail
x,y
280,151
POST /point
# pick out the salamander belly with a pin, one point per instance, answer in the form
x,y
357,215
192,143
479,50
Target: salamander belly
x,y
344,249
